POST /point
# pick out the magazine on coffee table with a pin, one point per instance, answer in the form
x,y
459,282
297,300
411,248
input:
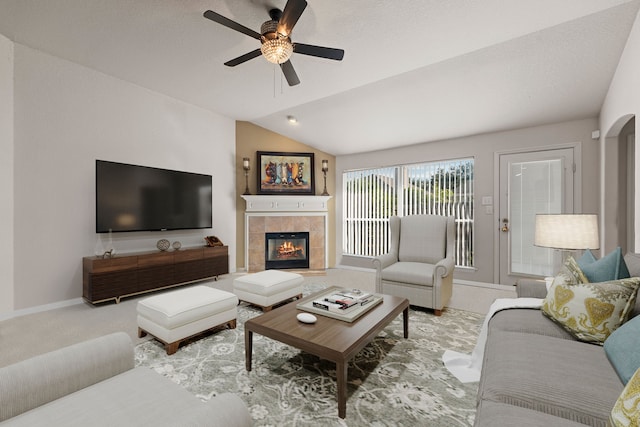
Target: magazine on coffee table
x,y
342,304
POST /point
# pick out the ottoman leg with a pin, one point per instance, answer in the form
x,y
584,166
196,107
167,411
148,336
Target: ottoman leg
x,y
141,333
172,348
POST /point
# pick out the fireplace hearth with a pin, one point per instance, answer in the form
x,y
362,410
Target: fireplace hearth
x,y
286,250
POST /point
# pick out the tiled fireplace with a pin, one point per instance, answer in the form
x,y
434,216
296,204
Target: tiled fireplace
x,y
285,215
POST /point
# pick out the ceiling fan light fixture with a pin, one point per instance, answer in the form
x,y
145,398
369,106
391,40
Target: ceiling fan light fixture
x,y
277,50
276,47
275,39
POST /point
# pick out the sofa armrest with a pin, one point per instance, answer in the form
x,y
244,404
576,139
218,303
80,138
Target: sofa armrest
x,y
531,288
41,379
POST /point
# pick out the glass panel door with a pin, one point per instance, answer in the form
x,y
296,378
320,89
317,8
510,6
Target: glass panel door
x,y
531,183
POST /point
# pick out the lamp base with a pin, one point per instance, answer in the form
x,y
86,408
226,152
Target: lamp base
x,y
246,180
324,192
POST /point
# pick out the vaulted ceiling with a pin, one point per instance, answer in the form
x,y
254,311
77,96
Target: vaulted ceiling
x,y
413,71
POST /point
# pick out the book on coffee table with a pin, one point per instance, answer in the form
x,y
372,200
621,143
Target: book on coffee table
x,y
333,304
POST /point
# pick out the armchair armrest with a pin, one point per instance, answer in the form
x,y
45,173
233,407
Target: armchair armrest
x,y
381,262
384,261
444,267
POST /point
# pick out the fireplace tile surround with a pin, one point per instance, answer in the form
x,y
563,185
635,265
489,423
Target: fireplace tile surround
x,y
271,214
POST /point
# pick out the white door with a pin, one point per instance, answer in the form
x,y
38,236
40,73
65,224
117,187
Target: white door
x,y
531,183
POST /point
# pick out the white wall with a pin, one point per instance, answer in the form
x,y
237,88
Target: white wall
x,y
482,148
66,117
622,103
6,174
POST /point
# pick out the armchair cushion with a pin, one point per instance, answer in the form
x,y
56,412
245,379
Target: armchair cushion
x,y
423,239
415,273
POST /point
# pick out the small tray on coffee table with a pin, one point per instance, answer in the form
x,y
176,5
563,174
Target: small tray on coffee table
x,y
348,315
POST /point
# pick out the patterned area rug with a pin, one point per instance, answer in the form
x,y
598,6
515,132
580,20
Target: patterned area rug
x,y
391,382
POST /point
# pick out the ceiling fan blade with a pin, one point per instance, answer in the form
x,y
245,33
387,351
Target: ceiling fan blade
x,y
216,17
290,15
319,51
243,58
290,73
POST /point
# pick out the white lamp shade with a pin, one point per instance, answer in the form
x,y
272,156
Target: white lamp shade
x,y
567,231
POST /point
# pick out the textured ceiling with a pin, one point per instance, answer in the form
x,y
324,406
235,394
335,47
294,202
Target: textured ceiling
x,y
413,71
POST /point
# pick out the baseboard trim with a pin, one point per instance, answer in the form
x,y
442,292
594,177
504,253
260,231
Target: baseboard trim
x,y
40,308
354,268
483,285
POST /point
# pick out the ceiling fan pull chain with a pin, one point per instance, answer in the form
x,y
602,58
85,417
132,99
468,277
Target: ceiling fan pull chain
x,y
281,83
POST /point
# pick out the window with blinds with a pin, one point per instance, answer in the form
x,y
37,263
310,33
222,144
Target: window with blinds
x,y
371,196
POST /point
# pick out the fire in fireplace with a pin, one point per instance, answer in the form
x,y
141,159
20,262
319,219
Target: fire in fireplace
x,y
286,250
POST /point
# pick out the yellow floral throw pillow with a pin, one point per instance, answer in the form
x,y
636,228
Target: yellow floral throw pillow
x,y
589,311
626,411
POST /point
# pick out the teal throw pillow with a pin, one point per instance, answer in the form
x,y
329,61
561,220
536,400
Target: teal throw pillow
x,y
587,258
609,267
622,348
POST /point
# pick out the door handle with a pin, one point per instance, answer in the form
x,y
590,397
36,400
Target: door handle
x,y
505,225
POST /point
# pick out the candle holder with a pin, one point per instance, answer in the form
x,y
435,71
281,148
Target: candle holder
x,y
325,168
246,167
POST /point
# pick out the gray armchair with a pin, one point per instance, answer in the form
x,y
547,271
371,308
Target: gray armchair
x,y
419,265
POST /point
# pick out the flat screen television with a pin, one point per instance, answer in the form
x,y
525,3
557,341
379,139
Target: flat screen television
x,y
141,198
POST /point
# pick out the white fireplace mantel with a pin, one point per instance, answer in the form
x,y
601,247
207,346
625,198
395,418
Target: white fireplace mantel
x,y
286,203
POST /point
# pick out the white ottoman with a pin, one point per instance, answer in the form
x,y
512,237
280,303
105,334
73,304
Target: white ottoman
x,y
179,315
269,287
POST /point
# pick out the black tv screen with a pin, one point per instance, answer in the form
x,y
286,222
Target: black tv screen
x,y
140,198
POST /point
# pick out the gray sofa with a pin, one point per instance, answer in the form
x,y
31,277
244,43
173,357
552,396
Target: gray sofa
x,y
534,373
94,383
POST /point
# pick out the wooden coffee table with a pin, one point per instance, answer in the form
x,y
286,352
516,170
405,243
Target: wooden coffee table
x,y
329,339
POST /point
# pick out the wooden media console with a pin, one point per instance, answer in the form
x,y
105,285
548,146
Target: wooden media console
x,y
105,279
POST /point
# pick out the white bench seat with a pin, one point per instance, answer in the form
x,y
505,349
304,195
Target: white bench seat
x,y
176,316
268,288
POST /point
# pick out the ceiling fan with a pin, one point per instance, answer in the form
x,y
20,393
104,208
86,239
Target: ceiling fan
x,y
275,37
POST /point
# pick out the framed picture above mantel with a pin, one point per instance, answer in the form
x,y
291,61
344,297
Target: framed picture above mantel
x,y
285,173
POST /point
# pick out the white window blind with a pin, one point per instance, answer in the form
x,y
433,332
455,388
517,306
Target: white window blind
x,y
371,196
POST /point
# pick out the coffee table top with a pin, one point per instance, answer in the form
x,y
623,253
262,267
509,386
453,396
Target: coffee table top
x,y
328,338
